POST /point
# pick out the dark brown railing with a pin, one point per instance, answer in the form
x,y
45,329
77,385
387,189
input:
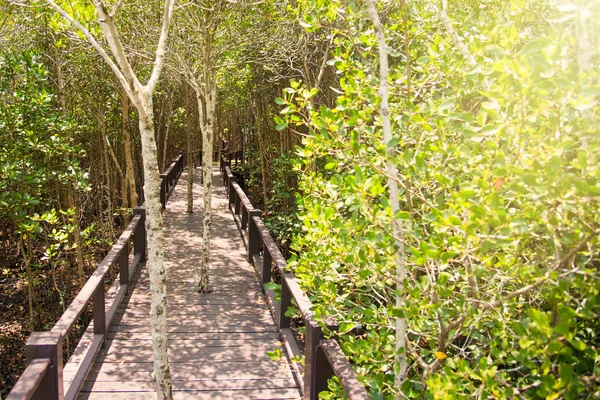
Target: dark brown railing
x,y
169,179
323,357
232,157
43,377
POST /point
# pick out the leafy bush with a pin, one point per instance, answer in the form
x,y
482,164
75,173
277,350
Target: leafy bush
x,y
496,138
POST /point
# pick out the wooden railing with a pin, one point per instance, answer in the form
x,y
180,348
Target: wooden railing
x,y
323,357
232,157
43,377
169,179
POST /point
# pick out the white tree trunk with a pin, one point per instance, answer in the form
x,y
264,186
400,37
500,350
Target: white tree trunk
x,y
141,96
400,366
155,237
207,161
190,155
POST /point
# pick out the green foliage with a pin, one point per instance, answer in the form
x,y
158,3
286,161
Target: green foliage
x,y
36,153
282,221
499,171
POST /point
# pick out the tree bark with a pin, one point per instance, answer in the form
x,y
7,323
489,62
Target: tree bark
x,y
261,143
141,97
207,161
109,185
129,171
155,237
190,157
166,138
71,204
124,196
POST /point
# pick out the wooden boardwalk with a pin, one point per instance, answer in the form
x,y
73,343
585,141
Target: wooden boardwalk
x,y
218,342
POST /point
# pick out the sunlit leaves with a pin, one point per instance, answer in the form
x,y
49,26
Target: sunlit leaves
x,y
499,168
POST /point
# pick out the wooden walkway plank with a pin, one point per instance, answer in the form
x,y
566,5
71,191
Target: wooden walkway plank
x,y
270,394
218,342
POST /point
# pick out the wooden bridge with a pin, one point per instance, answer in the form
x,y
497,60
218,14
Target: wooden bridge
x,y
218,342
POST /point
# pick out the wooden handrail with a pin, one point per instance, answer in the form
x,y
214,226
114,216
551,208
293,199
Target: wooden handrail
x,y
323,357
96,281
30,380
341,368
169,178
43,377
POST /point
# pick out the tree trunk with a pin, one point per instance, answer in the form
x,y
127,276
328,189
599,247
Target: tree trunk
x,y
109,185
27,254
190,159
400,364
129,171
261,143
207,161
141,96
165,141
124,196
76,235
155,237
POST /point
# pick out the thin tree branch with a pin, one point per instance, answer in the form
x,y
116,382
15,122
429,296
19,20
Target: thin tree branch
x,y
161,48
118,73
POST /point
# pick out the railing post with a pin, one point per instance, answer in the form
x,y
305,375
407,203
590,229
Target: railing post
x,y
237,204
322,372
285,302
314,334
171,176
163,190
181,163
124,265
232,193
316,369
139,236
98,307
253,235
48,345
244,218
265,274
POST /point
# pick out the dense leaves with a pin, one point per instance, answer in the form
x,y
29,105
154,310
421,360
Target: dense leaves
x,y
496,137
37,153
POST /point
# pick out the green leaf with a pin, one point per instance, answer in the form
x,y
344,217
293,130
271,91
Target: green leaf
x,y
577,344
404,215
467,194
393,143
565,372
272,286
537,45
345,327
447,105
490,130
